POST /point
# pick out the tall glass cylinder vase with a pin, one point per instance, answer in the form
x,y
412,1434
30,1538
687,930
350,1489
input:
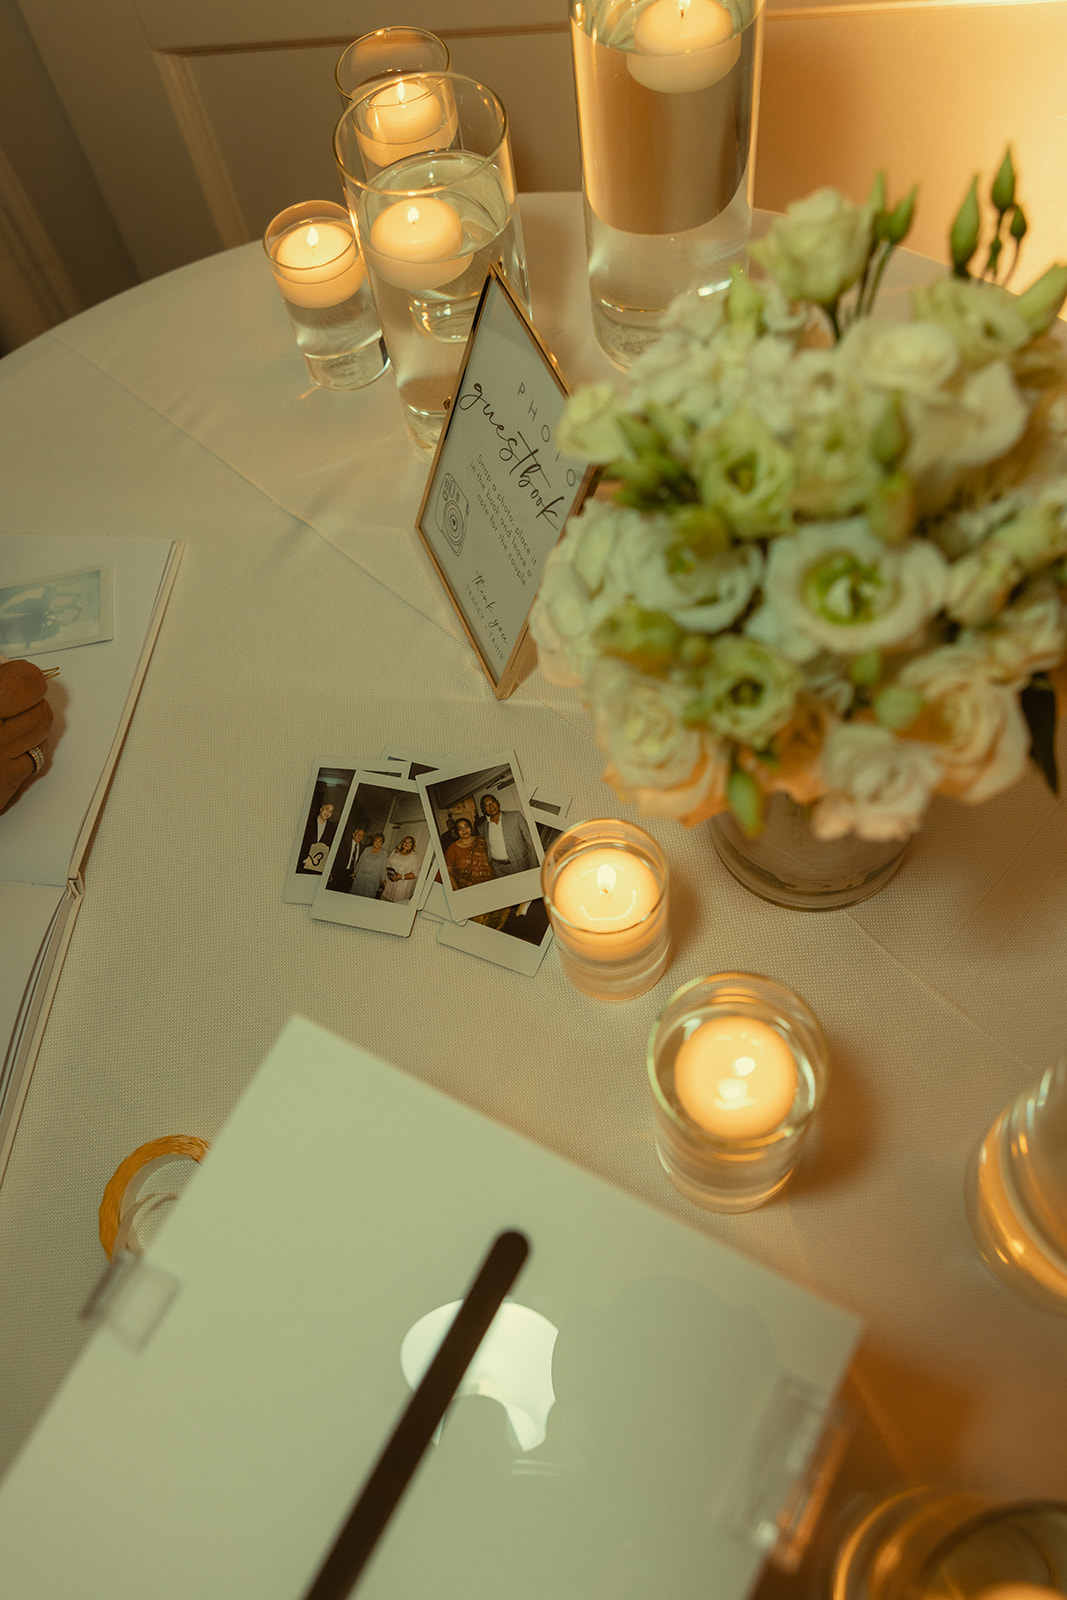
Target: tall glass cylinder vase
x,y
434,202
788,865
667,95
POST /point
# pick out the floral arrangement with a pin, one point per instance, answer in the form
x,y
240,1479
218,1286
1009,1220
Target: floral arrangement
x,y
833,559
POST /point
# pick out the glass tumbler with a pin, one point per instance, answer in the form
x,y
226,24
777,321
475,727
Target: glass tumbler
x,y
434,202
317,266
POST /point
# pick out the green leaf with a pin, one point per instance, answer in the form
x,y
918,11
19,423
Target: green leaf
x,y
1038,701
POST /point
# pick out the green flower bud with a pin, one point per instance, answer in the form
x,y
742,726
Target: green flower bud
x,y
896,708
745,801
898,223
876,200
865,669
891,511
889,436
963,238
1003,191
1018,225
699,529
647,639
1041,303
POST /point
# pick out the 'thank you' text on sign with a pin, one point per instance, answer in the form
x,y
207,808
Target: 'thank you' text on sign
x,y
500,490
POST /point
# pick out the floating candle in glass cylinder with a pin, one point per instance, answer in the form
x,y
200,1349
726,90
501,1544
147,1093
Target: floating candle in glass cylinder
x,y
605,887
316,264
737,1065
681,46
407,116
417,245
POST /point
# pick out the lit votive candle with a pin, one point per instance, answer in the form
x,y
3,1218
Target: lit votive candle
x,y
405,117
737,1065
417,244
681,46
736,1077
605,888
317,264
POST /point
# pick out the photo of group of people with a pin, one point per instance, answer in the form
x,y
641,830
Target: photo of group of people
x,y
57,613
381,841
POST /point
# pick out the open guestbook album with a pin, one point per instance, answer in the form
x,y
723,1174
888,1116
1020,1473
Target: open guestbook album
x,y
277,1404
92,608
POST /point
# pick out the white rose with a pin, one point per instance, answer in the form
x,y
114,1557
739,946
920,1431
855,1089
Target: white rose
x,y
588,428
974,725
701,593
839,586
819,248
901,357
878,786
655,759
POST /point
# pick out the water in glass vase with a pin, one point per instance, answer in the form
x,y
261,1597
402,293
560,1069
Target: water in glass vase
x,y
666,165
426,328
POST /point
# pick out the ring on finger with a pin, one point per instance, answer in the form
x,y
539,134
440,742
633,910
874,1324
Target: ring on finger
x,y
36,755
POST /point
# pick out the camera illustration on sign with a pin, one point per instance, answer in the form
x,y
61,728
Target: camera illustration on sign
x,y
453,508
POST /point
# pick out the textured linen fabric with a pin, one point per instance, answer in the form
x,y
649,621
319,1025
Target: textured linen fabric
x,y
307,621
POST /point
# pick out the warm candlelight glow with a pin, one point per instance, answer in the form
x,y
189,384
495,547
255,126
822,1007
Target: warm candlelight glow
x,y
317,264
683,45
313,238
417,246
736,1077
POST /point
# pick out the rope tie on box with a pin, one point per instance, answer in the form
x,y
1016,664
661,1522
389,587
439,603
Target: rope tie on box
x,y
120,1207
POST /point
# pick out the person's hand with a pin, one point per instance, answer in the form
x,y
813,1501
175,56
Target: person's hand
x,y
25,718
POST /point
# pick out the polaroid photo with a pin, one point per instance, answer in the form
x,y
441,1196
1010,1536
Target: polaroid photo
x,y
519,936
320,817
484,834
57,613
412,762
381,856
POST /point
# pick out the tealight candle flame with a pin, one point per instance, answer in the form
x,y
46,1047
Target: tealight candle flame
x,y
413,215
605,879
313,238
401,92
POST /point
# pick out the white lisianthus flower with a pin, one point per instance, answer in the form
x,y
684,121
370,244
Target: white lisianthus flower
x,y
655,759
877,786
701,592
900,357
745,475
974,725
837,585
1027,637
574,596
746,691
819,248
703,382
588,428
836,472
984,319
959,428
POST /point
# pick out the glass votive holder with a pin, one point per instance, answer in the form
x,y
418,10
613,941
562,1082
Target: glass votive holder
x,y
318,268
605,885
435,204
929,1543
385,53
738,1068
1016,1193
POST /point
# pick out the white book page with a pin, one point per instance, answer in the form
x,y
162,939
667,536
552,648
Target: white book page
x,y
39,831
26,909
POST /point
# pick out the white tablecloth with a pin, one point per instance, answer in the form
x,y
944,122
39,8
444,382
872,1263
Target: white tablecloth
x,y
307,621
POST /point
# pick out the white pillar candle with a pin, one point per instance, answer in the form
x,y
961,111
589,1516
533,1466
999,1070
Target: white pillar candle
x,y
404,118
735,1077
317,264
416,244
605,896
683,45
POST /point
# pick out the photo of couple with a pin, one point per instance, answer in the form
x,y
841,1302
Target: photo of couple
x,y
487,842
491,844
364,866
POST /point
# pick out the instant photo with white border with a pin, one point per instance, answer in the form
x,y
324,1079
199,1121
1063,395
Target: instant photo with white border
x,y
390,807
59,612
513,946
457,791
329,783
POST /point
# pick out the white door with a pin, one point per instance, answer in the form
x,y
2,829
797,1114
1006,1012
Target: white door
x,y
203,118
